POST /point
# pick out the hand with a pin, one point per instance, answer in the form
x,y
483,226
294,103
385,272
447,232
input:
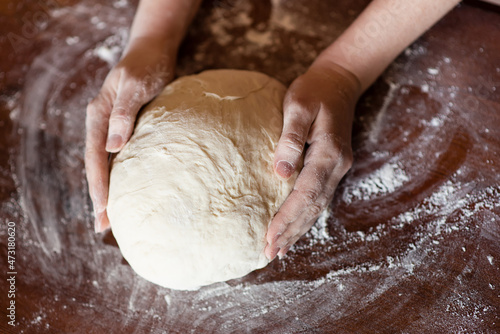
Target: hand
x,y
318,111
140,75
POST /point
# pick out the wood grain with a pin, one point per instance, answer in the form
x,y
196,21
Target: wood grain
x,y
411,242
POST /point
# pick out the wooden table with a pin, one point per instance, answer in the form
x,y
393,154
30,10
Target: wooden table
x,y
410,243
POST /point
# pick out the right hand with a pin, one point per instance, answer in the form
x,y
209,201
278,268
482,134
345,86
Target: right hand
x,y
138,77
317,124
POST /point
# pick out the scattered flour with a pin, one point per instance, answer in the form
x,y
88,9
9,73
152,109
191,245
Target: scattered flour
x,y
260,38
319,231
72,40
433,71
109,55
383,180
378,124
358,280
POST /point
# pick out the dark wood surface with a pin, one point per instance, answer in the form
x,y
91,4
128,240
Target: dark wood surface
x,y
411,242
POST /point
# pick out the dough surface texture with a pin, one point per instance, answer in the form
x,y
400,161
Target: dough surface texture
x,y
193,191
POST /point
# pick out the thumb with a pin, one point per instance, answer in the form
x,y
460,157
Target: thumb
x,y
127,104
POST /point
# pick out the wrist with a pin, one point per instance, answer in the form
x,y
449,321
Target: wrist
x,y
351,85
153,44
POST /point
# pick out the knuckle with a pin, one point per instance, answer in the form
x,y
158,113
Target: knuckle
x,y
315,209
280,222
314,204
96,107
286,238
333,156
310,196
306,227
285,221
337,154
142,91
146,85
286,227
334,144
152,83
137,83
294,141
343,158
120,114
292,231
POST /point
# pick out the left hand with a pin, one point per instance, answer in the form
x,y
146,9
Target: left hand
x,y
111,116
318,110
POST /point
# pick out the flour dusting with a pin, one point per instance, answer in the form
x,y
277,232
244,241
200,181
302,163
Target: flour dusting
x,y
383,180
414,221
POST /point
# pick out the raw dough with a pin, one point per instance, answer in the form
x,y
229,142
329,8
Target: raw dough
x,y
193,191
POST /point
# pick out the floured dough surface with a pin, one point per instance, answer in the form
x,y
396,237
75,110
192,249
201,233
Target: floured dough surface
x,y
193,191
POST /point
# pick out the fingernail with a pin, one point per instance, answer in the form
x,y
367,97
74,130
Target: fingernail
x,y
283,252
266,251
98,228
97,223
114,142
284,169
274,253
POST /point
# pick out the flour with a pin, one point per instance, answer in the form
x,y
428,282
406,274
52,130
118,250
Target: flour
x,y
378,125
384,180
340,268
319,231
121,4
233,30
433,71
111,48
109,55
260,38
72,40
98,23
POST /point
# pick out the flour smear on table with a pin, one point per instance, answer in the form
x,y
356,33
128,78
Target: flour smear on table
x,y
53,210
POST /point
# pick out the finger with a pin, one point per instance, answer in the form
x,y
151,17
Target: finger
x,y
304,224
294,230
103,219
130,98
293,227
324,166
96,159
306,200
281,246
296,124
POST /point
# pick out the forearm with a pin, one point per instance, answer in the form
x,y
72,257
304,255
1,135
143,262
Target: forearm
x,y
380,33
162,22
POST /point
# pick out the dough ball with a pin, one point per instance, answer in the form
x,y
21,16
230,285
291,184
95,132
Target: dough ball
x,y
193,191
